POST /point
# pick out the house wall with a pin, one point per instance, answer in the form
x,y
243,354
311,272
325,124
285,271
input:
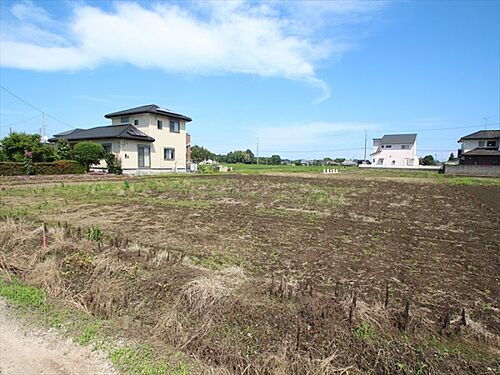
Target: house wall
x,y
143,120
163,139
470,144
396,156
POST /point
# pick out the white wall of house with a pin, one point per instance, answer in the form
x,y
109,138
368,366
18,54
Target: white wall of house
x,y
395,155
164,139
377,142
470,144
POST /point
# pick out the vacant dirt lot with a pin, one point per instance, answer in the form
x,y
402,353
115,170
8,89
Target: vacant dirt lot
x,y
310,255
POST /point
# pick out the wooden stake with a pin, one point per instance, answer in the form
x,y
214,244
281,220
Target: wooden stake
x,y
386,301
406,315
463,321
353,307
446,323
44,236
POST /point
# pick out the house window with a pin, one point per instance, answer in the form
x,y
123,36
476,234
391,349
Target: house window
x,y
159,124
491,143
481,143
136,122
107,147
124,120
403,147
169,153
175,127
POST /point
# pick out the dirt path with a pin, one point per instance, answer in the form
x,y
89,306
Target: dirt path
x,y
29,351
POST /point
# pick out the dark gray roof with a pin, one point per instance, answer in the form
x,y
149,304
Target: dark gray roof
x,y
123,131
398,138
482,134
150,108
482,152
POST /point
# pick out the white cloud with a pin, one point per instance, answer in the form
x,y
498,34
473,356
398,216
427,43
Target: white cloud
x,y
199,38
332,135
27,11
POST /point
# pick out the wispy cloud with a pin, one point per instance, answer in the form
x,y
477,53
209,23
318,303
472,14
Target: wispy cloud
x,y
266,39
94,99
332,135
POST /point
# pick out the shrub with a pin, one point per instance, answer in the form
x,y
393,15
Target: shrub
x,y
206,169
56,167
114,164
88,153
63,150
28,162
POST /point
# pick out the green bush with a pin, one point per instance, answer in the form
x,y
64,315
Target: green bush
x,y
206,169
63,150
48,168
113,163
88,153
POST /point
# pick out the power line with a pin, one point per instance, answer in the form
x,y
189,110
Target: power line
x,y
36,108
20,122
309,151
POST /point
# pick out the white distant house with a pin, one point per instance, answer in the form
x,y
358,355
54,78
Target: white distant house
x,y
395,150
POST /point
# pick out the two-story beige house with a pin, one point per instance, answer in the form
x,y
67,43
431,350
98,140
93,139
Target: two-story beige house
x,y
147,139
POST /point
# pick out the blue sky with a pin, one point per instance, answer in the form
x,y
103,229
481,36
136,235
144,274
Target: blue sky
x,y
306,78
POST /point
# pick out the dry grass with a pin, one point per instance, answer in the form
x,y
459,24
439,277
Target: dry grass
x,y
235,322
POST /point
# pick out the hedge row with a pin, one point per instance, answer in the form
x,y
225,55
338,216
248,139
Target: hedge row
x,y
55,167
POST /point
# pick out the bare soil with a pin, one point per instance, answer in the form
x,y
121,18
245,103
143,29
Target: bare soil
x,y
307,249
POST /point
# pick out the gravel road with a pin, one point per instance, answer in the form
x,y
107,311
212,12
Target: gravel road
x,y
26,350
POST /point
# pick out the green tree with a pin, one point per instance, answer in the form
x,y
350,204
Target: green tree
x,y
16,144
198,154
3,157
249,157
275,160
452,157
428,160
88,153
63,150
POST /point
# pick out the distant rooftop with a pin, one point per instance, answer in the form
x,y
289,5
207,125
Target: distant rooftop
x,y
482,134
150,108
482,152
124,131
397,138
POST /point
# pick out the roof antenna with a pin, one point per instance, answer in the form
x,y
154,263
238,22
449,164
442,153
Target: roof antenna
x,y
485,123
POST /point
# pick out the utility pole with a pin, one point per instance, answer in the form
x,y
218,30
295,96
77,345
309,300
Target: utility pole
x,y
257,150
42,129
364,158
485,123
